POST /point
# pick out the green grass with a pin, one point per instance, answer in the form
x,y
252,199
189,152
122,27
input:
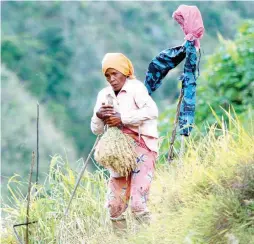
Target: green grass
x,y
207,199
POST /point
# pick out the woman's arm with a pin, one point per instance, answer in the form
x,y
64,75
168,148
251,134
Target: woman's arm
x,y
97,124
147,108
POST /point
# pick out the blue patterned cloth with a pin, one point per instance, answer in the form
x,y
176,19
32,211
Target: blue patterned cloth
x,y
162,64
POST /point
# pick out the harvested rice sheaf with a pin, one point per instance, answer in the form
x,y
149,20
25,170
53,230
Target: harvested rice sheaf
x,y
116,150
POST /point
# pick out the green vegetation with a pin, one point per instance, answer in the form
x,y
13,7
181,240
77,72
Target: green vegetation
x,y
56,48
227,80
51,54
18,112
207,197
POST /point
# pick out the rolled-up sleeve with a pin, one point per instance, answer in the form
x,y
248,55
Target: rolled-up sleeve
x,y
147,108
97,125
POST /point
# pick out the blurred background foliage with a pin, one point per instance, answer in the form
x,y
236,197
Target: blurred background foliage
x,y
52,52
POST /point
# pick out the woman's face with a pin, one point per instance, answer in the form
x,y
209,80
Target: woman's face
x,y
115,78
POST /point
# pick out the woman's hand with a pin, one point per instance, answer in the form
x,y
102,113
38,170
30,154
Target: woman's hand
x,y
105,112
114,120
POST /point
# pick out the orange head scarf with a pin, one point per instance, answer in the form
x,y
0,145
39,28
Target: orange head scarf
x,y
118,62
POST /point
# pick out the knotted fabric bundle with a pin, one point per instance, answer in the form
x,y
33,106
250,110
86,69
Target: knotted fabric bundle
x,y
191,23
190,20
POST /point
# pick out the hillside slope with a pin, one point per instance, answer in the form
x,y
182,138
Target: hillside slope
x,y
207,198
18,117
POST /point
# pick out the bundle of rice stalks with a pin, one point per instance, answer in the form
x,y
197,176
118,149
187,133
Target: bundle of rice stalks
x,y
116,151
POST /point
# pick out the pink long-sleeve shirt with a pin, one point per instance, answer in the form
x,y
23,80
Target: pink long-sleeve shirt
x,y
138,111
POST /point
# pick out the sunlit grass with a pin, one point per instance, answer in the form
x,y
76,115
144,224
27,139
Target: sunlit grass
x,y
207,199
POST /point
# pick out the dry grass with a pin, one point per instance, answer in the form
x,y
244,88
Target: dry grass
x,y
209,199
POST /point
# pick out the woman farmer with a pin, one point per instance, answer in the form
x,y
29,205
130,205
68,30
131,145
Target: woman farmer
x,y
135,113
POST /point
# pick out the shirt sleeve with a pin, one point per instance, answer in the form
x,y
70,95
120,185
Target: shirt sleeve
x,y
161,65
97,125
147,108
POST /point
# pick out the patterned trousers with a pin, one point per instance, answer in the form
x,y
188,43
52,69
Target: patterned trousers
x,y
134,188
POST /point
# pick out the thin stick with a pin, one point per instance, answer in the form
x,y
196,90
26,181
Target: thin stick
x,y
170,153
18,225
16,235
37,166
80,175
28,196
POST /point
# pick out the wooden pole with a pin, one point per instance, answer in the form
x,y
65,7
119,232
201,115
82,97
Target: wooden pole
x,y
171,147
37,153
28,197
80,175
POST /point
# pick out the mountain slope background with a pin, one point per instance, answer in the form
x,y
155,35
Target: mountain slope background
x,y
54,51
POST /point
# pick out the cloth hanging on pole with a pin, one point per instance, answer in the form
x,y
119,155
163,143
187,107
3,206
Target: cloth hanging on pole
x,y
188,78
159,68
190,20
161,65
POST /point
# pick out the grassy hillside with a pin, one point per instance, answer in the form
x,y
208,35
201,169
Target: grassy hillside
x,y
206,197
18,117
51,53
